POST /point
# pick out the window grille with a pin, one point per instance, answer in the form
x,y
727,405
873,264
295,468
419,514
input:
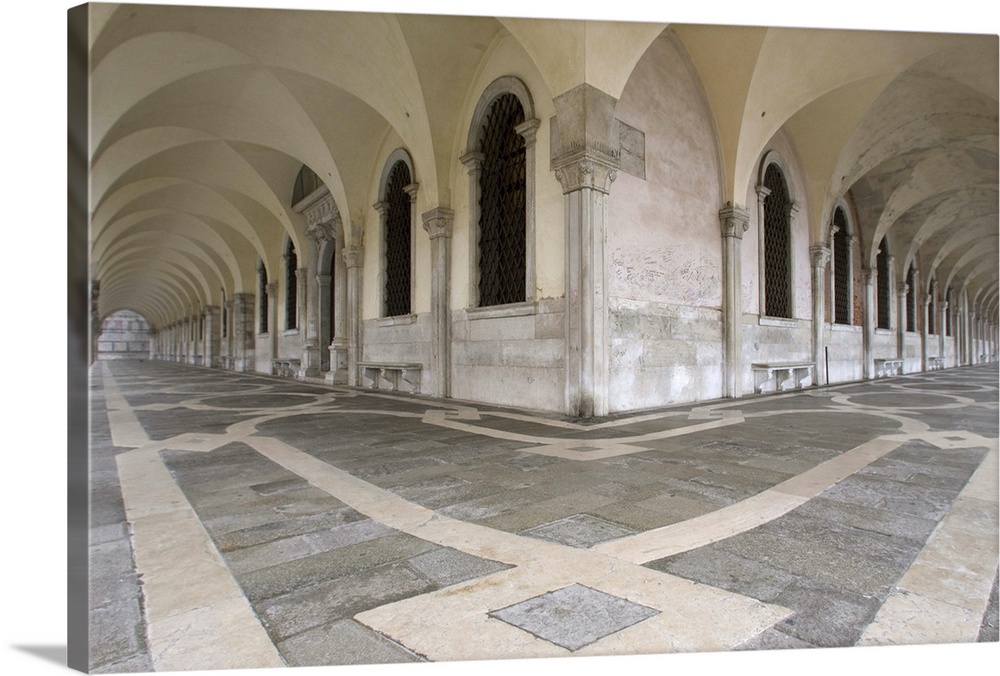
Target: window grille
x,y
502,261
911,305
262,292
291,286
225,322
841,270
882,290
397,242
777,206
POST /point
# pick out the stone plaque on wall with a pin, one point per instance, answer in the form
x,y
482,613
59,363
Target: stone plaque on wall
x,y
633,149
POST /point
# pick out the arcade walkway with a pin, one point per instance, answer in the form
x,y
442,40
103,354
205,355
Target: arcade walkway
x,y
241,521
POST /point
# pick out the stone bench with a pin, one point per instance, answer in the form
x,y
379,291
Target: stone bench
x,y
392,373
785,375
935,363
286,368
888,367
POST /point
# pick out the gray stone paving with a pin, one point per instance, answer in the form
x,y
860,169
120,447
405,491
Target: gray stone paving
x,y
309,564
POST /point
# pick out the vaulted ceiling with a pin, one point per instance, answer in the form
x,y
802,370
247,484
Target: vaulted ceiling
x,y
202,117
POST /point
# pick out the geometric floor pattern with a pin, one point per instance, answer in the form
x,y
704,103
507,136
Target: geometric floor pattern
x,y
245,521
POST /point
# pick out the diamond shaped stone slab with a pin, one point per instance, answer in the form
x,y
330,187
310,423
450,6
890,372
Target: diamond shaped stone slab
x,y
574,616
580,530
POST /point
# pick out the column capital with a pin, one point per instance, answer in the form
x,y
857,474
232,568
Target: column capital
x,y
381,207
271,289
321,210
354,255
819,255
411,190
870,275
528,129
320,232
762,192
589,166
438,222
473,160
735,220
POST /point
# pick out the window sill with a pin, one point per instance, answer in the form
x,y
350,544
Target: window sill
x,y
290,332
847,328
777,321
398,320
498,311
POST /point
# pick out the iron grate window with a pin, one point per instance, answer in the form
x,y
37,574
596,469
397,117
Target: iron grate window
x,y
291,287
397,242
502,262
911,305
262,291
841,270
777,206
882,290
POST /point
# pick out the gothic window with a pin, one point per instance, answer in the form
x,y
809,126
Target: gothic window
x,y
777,245
306,183
291,286
398,229
502,202
911,298
882,290
262,295
841,269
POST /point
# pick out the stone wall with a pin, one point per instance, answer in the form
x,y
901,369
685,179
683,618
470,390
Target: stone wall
x,y
124,335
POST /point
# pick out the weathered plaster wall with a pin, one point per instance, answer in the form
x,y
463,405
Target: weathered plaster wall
x,y
664,243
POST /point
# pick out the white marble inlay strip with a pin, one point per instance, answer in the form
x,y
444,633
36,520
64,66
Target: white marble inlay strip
x,y
126,430
943,595
196,614
692,616
746,514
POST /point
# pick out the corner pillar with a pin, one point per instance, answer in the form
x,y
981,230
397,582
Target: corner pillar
x,y
438,224
820,256
735,221
354,258
871,280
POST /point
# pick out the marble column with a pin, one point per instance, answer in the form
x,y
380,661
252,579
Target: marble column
x,y
311,362
338,345
586,162
819,255
438,224
95,318
212,336
871,280
901,290
273,332
735,221
925,302
243,331
354,258
942,328
227,327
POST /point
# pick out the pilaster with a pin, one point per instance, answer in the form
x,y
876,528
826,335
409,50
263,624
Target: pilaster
x,y
438,224
819,256
735,221
354,258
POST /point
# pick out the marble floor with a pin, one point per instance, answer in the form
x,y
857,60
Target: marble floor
x,y
243,521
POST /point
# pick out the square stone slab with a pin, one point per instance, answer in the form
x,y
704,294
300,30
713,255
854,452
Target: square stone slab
x,y
574,616
580,530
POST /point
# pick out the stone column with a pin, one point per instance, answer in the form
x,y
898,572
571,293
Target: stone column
x,y
762,193
227,323
243,331
212,336
438,224
338,345
272,320
735,221
901,290
819,256
354,258
586,163
871,280
309,365
942,328
95,318
924,316
473,162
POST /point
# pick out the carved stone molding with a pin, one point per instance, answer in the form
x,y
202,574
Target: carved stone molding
x,y
353,255
819,255
735,220
587,167
438,222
